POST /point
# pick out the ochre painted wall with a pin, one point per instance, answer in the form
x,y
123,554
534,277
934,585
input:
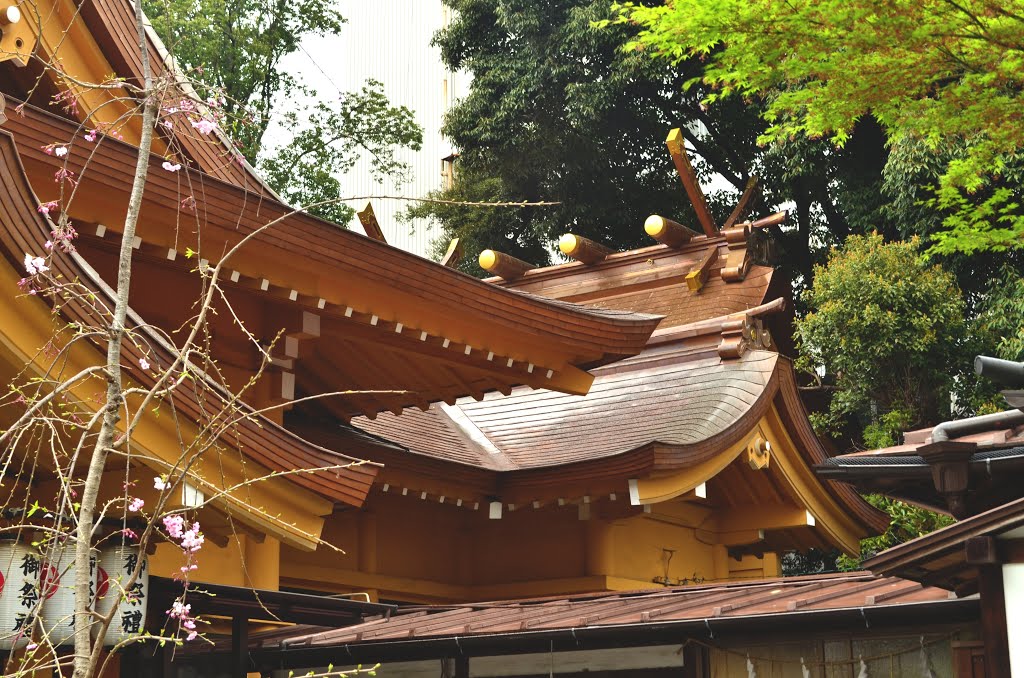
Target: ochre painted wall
x,y
408,549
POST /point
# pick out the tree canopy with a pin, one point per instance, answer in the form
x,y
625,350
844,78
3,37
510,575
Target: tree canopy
x,y
943,75
887,333
236,47
557,111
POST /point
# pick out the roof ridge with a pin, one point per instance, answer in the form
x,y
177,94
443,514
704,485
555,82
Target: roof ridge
x,y
475,436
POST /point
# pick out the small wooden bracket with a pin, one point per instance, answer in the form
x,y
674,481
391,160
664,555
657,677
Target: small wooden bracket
x,y
17,39
453,256
734,339
369,221
677,149
759,453
738,262
698,275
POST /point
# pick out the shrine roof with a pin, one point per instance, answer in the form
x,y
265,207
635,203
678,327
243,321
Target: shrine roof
x,y
993,466
336,477
663,398
392,306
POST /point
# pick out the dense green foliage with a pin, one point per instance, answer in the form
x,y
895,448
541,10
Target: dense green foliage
x,y
236,47
947,75
557,111
888,332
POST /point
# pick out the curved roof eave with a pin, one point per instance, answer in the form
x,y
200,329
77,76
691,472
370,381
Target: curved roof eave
x,y
269,445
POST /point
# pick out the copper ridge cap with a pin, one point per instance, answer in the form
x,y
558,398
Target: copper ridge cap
x,y
656,251
713,326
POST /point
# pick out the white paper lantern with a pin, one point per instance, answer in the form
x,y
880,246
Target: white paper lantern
x,y
19,593
115,568
57,586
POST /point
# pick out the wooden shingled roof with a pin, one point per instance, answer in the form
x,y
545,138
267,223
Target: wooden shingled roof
x,y
423,331
267,447
643,402
708,375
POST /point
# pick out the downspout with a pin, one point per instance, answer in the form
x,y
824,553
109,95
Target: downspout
x,y
1006,372
945,430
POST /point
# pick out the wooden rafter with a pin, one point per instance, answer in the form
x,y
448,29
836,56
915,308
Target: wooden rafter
x,y
453,256
751,193
677,149
370,224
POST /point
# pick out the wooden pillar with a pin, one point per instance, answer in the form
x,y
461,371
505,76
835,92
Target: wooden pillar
x,y
239,647
166,656
599,548
130,661
982,552
263,562
993,621
462,667
367,543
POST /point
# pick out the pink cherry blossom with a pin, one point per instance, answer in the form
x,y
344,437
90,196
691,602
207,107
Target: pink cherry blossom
x,y
91,135
60,151
160,483
129,533
35,265
174,525
143,363
47,207
204,126
136,504
64,174
171,167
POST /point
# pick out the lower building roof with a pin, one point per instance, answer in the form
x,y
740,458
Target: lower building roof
x,y
850,599
941,558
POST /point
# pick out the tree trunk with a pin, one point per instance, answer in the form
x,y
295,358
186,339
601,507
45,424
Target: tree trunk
x,y
86,657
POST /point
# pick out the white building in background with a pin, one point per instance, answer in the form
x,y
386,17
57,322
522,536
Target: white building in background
x,y
389,41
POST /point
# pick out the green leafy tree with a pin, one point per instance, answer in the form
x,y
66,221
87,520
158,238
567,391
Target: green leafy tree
x,y
557,111
886,334
236,47
932,72
1002,318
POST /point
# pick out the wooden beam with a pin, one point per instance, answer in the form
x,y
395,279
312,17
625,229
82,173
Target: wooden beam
x,y
993,621
453,256
583,249
668,232
751,193
698,275
764,517
771,220
677,149
503,265
369,221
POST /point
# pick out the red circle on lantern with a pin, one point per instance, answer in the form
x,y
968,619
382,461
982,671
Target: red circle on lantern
x,y
102,582
49,580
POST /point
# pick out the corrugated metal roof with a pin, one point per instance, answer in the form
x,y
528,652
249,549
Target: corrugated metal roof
x,y
776,597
